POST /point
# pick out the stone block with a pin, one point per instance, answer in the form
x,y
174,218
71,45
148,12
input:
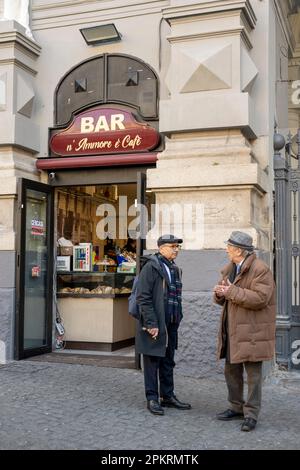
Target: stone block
x,y
196,355
7,307
7,271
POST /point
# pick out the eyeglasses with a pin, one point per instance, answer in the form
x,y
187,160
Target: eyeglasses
x,y
174,247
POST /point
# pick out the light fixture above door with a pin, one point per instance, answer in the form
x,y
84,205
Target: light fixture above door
x,y
101,34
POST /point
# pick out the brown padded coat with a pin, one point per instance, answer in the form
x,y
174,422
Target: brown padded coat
x,y
251,312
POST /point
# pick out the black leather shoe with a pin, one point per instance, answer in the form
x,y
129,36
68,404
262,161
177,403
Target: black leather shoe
x,y
154,407
248,425
174,403
229,415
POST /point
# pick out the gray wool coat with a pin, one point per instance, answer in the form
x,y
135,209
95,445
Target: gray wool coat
x,y
152,298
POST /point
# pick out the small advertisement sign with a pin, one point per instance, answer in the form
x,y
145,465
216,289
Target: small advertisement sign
x,y
37,227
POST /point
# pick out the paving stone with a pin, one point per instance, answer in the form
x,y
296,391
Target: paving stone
x,y
69,406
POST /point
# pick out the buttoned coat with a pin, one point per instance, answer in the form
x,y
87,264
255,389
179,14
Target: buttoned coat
x,y
251,312
152,299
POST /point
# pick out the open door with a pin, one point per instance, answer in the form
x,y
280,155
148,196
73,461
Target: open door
x,y
34,269
141,241
141,201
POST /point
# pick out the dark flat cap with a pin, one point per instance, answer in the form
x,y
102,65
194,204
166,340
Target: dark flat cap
x,y
168,239
241,240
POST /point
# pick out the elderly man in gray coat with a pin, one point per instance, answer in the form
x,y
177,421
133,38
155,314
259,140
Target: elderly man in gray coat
x,y
159,300
247,328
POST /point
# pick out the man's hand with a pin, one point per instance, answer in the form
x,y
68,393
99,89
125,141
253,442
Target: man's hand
x,y
221,289
153,332
218,289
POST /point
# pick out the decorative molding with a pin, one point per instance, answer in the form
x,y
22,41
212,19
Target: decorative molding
x,y
249,71
13,36
185,10
294,62
226,32
235,24
206,69
294,23
281,174
3,91
18,63
233,187
25,96
69,13
282,12
59,4
88,3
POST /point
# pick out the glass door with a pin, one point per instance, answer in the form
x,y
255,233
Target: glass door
x,y
141,201
141,241
34,270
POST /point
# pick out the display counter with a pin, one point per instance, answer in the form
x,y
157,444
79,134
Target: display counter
x,y
94,309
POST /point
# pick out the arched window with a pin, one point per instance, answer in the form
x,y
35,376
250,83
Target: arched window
x,y
109,78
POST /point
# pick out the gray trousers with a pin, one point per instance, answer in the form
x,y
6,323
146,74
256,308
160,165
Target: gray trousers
x,y
235,384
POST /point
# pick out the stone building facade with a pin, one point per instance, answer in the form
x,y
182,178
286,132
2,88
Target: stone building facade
x,y
223,69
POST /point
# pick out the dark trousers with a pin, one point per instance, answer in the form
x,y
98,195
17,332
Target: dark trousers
x,y
161,369
235,384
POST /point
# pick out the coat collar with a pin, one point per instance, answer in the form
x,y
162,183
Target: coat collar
x,y
245,266
156,265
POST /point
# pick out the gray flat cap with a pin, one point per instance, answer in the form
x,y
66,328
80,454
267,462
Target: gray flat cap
x,y
241,240
168,239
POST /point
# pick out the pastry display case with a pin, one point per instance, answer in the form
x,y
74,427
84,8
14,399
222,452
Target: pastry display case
x,y
94,309
94,284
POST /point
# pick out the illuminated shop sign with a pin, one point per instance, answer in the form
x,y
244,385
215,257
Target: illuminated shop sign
x,y
104,131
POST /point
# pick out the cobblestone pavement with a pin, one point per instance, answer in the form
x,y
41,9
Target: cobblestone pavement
x,y
63,406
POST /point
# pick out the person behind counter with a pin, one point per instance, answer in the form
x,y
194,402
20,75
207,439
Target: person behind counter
x,y
130,245
110,249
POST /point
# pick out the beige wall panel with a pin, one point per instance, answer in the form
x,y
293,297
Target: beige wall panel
x,y
87,319
219,213
8,184
209,110
123,323
15,163
96,320
193,175
7,234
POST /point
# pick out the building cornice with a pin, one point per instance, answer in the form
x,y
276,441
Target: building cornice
x,y
19,64
204,8
11,33
227,32
68,13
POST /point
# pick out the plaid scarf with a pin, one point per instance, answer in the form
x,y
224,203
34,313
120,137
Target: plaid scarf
x,y
174,310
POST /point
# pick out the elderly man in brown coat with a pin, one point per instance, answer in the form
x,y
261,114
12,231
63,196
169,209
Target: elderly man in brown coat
x,y
247,329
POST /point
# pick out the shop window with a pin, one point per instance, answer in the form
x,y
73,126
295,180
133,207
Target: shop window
x,y
110,78
86,78
131,81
